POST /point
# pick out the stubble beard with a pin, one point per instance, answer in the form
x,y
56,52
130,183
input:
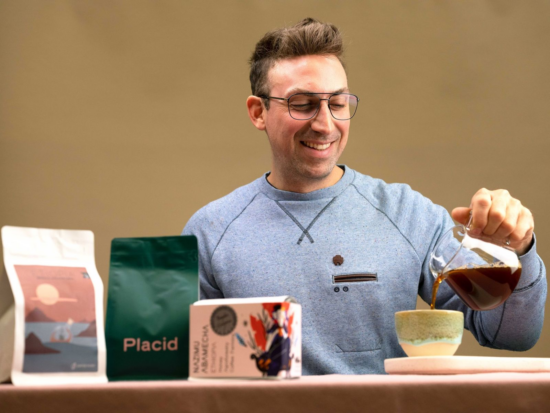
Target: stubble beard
x,y
313,173
296,171
317,170
302,172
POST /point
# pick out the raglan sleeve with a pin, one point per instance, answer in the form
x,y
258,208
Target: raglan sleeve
x,y
200,227
517,324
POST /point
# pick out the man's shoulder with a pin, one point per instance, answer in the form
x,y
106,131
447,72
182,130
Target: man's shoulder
x,y
382,194
416,217
218,214
398,201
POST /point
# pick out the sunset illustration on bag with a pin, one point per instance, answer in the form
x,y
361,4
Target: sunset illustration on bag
x,y
54,298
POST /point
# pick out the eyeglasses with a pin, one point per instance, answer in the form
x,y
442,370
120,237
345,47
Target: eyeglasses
x,y
304,106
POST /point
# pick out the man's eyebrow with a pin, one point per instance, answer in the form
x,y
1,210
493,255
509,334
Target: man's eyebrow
x,y
300,90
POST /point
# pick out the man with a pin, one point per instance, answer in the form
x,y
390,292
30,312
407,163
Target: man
x,y
308,223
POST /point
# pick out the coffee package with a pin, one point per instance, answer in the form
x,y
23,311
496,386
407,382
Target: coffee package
x,y
246,338
51,308
152,283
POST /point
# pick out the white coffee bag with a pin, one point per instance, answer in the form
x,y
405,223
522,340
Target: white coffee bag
x,y
51,308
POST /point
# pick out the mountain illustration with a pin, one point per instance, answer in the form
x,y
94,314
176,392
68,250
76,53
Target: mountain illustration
x,y
91,331
37,316
33,345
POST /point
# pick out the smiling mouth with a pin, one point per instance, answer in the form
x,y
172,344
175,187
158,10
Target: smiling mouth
x,y
315,146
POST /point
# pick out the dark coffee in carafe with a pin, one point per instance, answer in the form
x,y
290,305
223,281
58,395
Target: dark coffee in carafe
x,y
480,287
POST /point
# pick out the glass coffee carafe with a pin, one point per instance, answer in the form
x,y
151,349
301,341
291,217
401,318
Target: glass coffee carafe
x,y
483,274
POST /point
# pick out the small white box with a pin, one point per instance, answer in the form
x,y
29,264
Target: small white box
x,y
246,338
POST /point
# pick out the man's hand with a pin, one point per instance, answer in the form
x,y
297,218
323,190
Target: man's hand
x,y
497,217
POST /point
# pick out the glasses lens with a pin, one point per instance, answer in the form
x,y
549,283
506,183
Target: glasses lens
x,y
343,106
303,106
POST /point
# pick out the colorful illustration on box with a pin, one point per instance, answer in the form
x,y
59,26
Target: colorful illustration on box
x,y
60,321
271,339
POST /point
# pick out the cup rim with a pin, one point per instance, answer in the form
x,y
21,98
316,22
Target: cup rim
x,y
436,310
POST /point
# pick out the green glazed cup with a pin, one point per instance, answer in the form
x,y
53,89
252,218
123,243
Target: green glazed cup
x,y
429,332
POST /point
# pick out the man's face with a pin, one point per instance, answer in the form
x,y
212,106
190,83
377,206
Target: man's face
x,y
295,159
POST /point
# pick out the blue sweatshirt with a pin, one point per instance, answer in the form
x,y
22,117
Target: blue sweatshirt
x,y
260,241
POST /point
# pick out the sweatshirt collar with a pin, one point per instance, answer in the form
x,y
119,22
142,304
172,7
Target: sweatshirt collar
x,y
330,192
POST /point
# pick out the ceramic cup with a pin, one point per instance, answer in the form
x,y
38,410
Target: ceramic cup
x,y
429,332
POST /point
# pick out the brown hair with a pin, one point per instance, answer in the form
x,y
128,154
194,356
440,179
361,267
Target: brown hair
x,y
308,37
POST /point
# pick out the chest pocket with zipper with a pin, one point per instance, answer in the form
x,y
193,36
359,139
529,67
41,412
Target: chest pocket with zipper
x,y
355,277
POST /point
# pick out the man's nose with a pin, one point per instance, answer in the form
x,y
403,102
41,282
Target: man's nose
x,y
323,122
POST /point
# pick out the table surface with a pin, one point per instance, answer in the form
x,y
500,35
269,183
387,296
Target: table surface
x,y
487,392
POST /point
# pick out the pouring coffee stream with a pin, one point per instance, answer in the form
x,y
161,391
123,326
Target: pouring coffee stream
x,y
483,274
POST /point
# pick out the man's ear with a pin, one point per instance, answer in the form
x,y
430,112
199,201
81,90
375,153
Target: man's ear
x,y
256,111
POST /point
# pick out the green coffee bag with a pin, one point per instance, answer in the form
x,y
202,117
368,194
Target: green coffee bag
x,y
152,282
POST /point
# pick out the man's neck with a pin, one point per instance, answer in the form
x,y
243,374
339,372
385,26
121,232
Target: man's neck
x,y
304,186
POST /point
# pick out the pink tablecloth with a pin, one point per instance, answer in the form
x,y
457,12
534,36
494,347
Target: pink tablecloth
x,y
492,392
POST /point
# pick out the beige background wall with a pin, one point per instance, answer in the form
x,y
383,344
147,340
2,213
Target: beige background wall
x,y
125,117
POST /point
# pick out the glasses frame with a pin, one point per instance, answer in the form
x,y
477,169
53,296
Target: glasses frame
x,y
318,106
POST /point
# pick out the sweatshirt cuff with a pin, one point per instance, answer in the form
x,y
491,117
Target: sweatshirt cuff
x,y
531,269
